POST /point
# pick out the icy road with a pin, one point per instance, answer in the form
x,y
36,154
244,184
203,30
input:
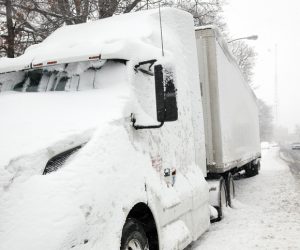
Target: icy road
x,y
266,213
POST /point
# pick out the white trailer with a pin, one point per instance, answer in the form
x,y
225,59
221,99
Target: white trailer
x,y
104,140
229,104
230,116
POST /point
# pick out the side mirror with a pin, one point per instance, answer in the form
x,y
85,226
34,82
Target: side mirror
x,y
166,103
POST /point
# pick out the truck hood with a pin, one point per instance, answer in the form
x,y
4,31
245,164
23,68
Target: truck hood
x,y
36,126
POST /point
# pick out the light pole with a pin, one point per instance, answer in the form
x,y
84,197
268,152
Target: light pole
x,y
276,99
253,37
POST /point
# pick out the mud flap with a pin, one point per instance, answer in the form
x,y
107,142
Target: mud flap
x,y
215,197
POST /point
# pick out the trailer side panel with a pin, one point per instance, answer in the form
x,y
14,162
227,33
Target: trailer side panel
x,y
230,109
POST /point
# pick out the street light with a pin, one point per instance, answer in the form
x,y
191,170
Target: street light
x,y
253,37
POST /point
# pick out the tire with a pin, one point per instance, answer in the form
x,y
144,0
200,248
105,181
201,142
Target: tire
x,y
230,189
252,169
134,236
222,199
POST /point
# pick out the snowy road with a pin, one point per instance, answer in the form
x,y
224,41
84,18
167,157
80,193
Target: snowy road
x,y
266,213
293,159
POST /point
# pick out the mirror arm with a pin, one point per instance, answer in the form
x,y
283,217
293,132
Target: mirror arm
x,y
151,62
133,120
148,72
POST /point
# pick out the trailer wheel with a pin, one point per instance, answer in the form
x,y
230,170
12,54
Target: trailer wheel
x,y
252,169
230,189
134,236
222,199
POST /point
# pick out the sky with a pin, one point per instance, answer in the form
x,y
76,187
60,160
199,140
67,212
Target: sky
x,y
277,24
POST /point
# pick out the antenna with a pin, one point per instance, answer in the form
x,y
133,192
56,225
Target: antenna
x,y
161,31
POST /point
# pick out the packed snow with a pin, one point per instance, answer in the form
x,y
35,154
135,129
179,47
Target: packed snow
x,y
266,213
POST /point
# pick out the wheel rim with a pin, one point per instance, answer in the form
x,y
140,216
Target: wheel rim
x,y
134,245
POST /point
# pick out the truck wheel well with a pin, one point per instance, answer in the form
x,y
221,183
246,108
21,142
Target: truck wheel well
x,y
143,214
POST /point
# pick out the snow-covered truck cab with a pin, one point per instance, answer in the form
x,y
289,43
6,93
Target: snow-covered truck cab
x,y
125,125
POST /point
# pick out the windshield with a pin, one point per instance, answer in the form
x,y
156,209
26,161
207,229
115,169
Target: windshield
x,y
65,77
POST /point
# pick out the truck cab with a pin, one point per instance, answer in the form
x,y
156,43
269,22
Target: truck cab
x,y
103,141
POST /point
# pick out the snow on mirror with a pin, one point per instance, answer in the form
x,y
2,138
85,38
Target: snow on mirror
x,y
66,77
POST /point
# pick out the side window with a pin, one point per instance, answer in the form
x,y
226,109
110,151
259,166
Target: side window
x,y
19,86
58,82
52,81
61,85
73,83
35,77
87,80
44,81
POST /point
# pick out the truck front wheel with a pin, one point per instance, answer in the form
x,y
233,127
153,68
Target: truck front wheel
x,y
134,236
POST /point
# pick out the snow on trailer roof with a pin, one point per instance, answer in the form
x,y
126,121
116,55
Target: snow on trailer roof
x,y
224,45
127,36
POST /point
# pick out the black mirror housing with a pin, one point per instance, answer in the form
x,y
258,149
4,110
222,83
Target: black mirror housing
x,y
166,102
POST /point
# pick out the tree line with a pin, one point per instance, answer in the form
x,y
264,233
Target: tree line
x,y
26,22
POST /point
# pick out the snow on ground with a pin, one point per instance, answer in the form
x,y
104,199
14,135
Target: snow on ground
x,y
266,213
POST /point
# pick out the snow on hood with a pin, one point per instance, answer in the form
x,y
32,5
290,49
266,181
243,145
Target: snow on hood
x,y
40,125
71,208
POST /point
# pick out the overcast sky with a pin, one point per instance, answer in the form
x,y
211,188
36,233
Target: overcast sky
x,y
275,22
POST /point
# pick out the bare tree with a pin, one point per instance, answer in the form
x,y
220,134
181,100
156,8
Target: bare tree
x,y
204,12
28,22
266,126
245,56
20,28
8,37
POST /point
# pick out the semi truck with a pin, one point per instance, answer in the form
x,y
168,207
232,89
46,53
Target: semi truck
x,y
122,133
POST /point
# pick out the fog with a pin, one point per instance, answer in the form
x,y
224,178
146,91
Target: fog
x,y
276,23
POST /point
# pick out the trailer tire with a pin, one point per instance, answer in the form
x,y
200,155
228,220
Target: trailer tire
x,y
134,236
222,199
252,169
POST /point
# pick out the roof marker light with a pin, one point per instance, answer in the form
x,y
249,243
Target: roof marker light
x,y
51,62
38,65
94,57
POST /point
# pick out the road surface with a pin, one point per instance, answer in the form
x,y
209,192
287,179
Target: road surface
x,y
266,213
292,157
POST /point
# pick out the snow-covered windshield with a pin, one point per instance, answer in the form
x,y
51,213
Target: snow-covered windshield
x,y
65,77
